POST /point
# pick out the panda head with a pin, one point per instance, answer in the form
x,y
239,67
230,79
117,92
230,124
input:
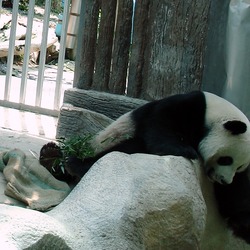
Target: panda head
x,y
225,148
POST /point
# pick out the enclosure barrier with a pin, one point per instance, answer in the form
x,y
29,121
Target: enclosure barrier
x,y
37,92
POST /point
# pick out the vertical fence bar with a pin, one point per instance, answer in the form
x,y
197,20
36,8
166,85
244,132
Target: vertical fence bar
x,y
27,51
61,54
11,50
40,79
1,1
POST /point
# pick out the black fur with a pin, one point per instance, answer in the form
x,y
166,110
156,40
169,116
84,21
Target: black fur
x,y
236,127
234,204
171,126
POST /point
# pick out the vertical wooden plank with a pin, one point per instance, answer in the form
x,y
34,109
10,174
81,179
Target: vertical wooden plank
x,y
137,58
86,48
122,41
104,46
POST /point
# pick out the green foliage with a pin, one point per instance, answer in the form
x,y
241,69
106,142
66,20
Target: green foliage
x,y
78,146
23,5
40,2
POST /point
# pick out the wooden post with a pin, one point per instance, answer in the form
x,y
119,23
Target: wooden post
x,y
86,45
104,46
120,56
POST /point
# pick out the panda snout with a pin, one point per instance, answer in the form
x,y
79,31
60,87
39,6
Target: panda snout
x,y
211,174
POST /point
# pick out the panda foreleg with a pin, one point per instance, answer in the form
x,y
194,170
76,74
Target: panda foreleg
x,y
79,167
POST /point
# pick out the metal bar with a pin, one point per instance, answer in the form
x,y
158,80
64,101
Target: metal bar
x,y
27,51
1,1
11,50
61,55
40,79
29,108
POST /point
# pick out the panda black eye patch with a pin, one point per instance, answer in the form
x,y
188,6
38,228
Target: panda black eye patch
x,y
225,161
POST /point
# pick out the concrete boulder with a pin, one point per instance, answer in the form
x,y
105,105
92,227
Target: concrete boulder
x,y
126,202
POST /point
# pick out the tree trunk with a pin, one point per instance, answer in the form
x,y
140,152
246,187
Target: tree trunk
x,y
173,58
120,55
85,58
104,46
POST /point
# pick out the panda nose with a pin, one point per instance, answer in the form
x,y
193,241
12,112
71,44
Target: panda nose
x,y
223,182
212,176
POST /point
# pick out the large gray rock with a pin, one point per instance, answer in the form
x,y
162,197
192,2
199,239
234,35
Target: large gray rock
x,y
137,202
126,202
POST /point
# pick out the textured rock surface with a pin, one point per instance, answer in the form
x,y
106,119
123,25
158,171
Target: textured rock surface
x,y
126,202
137,202
78,121
87,111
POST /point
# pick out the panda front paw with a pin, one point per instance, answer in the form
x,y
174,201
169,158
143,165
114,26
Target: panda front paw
x,y
77,167
50,158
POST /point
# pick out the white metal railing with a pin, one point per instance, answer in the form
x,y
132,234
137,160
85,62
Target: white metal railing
x,y
22,103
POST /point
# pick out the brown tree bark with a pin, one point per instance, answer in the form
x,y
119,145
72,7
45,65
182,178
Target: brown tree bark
x,y
172,60
120,55
104,46
85,59
167,50
139,42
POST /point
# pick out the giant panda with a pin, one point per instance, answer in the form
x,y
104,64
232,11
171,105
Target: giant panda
x,y
197,124
194,125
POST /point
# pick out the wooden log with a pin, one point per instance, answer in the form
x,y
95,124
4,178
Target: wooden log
x,y
19,48
77,121
107,104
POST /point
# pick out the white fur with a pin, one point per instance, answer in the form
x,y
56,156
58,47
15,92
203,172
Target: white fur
x,y
220,142
121,129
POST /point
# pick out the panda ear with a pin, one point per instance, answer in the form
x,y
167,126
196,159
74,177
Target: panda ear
x,y
235,127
